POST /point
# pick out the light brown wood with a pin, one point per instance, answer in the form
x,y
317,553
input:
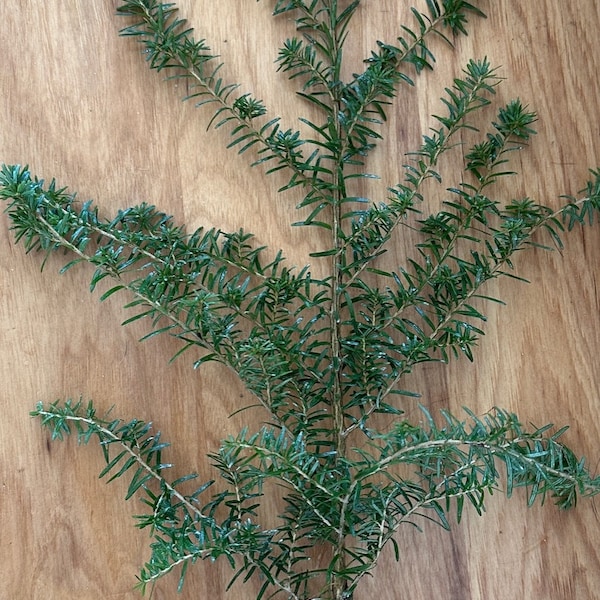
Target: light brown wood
x,y
77,103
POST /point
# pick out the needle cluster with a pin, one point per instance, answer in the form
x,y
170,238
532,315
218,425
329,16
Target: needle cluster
x,y
323,357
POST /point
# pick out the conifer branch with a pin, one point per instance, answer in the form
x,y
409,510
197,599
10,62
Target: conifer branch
x,y
170,45
321,356
379,223
364,97
88,426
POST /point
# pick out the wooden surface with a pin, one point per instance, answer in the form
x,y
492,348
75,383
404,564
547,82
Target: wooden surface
x,y
77,103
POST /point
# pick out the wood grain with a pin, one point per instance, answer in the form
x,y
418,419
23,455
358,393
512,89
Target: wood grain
x,y
77,103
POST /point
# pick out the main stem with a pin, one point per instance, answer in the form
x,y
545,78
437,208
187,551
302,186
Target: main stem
x,y
337,584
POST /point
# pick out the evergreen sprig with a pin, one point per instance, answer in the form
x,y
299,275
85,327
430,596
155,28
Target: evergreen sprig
x,y
322,356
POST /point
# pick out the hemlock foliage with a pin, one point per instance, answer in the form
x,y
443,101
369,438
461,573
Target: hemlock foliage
x,y
322,357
